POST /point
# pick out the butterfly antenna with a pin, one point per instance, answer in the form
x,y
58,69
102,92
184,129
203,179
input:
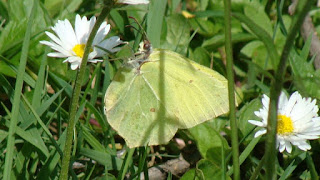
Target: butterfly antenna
x,y
146,43
142,29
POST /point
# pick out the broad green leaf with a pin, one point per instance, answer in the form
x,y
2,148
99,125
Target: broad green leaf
x,y
204,26
204,170
209,142
218,40
201,56
12,35
258,16
249,48
263,36
247,113
62,6
178,34
306,78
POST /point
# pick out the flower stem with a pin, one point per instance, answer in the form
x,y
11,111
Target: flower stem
x,y
76,92
232,106
302,9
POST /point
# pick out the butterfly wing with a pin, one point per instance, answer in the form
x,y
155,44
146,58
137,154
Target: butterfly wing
x,y
147,106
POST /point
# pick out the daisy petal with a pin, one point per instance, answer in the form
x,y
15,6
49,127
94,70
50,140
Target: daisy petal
x,y
260,132
133,1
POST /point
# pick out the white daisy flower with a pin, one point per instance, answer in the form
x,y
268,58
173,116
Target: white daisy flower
x,y
298,121
70,43
133,1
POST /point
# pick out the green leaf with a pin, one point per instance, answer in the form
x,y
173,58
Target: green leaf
x,y
204,170
204,26
201,56
12,35
258,16
111,162
219,39
305,78
209,142
178,34
62,7
263,36
247,113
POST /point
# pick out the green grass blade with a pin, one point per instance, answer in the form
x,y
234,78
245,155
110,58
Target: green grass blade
x,y
96,145
33,137
61,83
154,21
102,158
125,164
52,162
98,115
311,167
3,135
36,99
293,165
16,103
29,119
246,152
43,126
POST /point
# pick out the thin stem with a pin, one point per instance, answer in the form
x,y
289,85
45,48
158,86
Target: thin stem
x,y
232,106
17,96
303,8
76,93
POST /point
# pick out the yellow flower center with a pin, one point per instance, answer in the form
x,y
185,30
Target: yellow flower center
x,y
79,49
285,125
